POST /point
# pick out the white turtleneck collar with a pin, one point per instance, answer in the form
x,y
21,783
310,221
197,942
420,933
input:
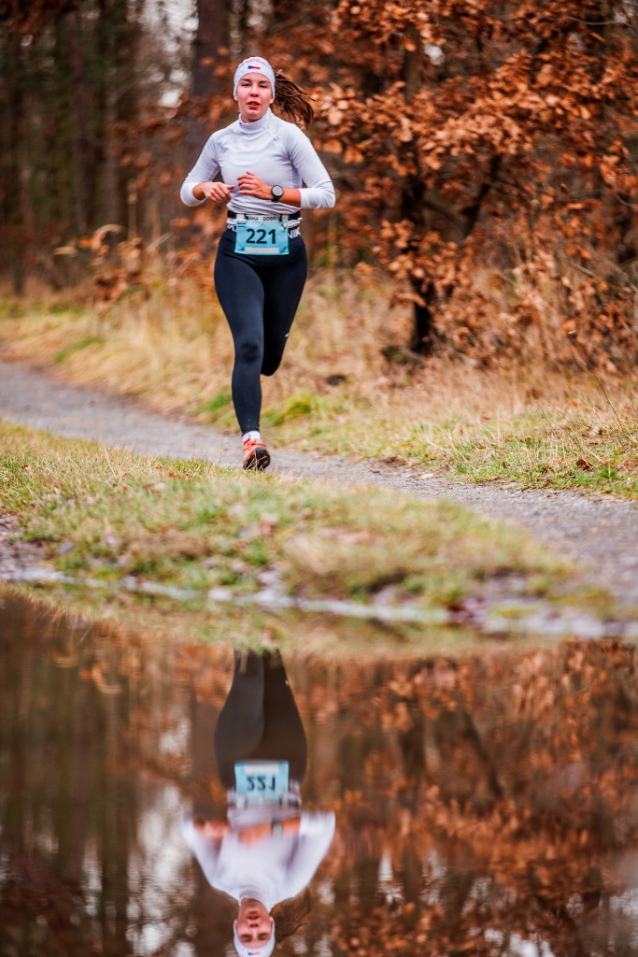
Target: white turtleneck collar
x,y
256,125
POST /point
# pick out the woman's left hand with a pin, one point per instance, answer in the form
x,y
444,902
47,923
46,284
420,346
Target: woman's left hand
x,y
252,185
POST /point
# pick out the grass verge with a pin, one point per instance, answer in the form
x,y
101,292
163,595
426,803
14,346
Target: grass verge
x,y
196,526
344,387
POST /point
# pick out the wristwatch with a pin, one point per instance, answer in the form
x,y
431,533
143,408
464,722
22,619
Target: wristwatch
x,y
277,193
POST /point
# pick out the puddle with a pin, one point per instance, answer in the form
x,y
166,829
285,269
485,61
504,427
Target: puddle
x,y
484,805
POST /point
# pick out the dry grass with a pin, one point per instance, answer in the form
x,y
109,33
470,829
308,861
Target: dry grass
x,y
190,524
175,348
337,389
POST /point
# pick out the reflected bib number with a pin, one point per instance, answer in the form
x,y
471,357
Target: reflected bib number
x,y
261,782
262,238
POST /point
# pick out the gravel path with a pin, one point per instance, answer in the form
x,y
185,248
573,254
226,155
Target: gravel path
x,y
600,535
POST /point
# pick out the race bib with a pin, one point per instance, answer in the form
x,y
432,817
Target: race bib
x,y
262,782
262,238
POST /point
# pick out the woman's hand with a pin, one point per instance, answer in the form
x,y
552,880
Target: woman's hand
x,y
216,192
212,829
254,834
251,184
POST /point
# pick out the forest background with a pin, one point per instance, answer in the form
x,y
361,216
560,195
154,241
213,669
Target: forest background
x,y
484,154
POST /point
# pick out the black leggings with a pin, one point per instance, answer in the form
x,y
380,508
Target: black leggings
x,y
259,719
259,295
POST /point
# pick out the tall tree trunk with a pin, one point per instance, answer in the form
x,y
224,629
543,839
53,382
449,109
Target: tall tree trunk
x,y
212,33
14,200
103,184
59,142
127,107
106,196
81,128
112,208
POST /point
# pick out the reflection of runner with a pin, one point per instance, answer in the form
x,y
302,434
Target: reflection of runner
x,y
259,719
266,853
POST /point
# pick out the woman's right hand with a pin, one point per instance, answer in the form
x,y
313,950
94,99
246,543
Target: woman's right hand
x,y
216,192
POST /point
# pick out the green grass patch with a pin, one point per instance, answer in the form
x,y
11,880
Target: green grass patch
x,y
217,406
534,450
62,308
297,406
77,347
307,411
14,309
541,451
191,524
554,458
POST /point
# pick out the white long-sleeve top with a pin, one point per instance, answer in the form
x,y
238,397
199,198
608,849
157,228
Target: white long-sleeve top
x,y
277,868
278,152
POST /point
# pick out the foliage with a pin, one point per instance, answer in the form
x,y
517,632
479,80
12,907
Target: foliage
x,y
499,137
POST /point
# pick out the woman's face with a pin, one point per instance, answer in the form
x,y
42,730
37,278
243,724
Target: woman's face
x,y
254,923
254,96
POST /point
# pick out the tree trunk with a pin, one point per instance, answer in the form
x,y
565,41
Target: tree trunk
x,y
421,339
417,203
413,63
212,33
81,128
14,206
126,105
103,184
60,139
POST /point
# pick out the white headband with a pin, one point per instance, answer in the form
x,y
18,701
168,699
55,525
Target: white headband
x,y
253,951
256,65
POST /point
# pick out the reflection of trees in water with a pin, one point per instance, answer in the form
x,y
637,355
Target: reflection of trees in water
x,y
519,775
476,802
83,840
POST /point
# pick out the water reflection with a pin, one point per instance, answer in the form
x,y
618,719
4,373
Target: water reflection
x,y
487,805
268,850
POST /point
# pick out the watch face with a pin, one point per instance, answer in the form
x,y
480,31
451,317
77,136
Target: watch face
x,y
277,192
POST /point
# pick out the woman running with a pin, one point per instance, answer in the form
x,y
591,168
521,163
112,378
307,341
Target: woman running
x,y
261,263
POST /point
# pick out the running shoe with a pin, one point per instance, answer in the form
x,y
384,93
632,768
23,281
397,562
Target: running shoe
x,y
256,457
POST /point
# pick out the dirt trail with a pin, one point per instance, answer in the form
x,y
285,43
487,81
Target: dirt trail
x,y
600,535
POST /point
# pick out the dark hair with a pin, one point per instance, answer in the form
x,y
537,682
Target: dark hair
x,y
291,101
290,914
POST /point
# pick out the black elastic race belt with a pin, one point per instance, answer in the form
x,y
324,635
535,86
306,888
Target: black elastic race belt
x,y
282,217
